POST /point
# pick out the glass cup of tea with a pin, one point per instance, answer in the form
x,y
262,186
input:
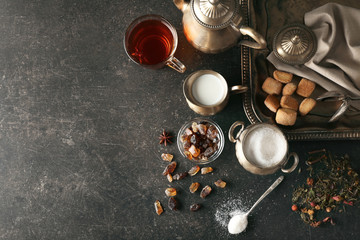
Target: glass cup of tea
x,y
207,93
151,42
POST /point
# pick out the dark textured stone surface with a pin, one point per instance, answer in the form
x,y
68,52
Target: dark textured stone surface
x,y
79,122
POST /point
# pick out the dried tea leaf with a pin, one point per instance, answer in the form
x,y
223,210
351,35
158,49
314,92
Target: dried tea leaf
x,y
194,170
167,157
205,191
194,187
206,170
180,176
220,183
332,222
158,208
303,217
169,168
315,224
332,183
173,204
170,192
194,207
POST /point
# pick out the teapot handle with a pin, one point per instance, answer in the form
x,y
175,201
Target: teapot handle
x,y
259,43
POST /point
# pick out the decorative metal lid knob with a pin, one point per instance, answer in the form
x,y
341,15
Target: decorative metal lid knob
x,y
214,14
294,44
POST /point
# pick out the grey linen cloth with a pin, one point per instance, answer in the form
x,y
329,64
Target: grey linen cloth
x,y
336,63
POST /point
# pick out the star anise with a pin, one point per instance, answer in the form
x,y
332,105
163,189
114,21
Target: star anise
x,y
165,138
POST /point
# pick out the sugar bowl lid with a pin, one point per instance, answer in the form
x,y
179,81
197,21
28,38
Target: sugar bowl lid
x,y
294,44
214,14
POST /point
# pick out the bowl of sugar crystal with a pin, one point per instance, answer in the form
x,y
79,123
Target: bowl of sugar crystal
x,y
201,140
262,148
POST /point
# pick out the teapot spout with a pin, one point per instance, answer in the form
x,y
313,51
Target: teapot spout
x,y
181,4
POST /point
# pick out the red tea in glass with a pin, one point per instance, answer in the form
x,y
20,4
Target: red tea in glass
x,y
151,41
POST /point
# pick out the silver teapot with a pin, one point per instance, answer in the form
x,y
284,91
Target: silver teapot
x,y
213,26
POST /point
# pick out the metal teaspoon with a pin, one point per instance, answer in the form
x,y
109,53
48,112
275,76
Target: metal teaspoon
x,y
238,222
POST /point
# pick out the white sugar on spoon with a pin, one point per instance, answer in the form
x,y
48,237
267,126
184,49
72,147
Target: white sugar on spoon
x,y
239,222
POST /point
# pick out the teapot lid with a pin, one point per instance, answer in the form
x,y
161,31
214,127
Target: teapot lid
x,y
214,14
295,44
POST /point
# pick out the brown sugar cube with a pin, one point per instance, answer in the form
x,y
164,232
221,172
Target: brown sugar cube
x,y
306,106
289,89
285,116
272,103
305,88
271,86
289,102
283,77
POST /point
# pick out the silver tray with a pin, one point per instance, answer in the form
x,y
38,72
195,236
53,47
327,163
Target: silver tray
x,y
268,17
